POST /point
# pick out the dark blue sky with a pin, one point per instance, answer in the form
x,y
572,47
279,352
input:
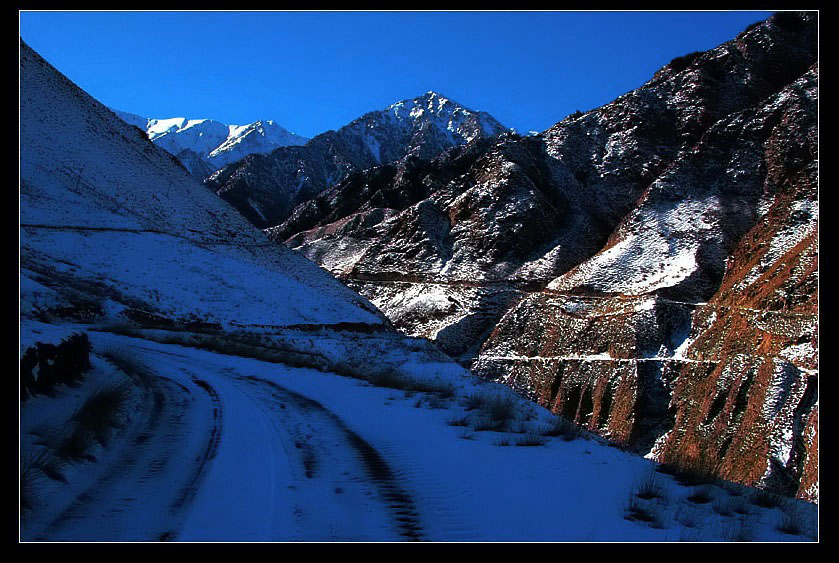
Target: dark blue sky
x,y
313,71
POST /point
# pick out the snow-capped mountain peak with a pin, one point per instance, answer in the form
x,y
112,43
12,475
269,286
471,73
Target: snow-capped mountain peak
x,y
431,101
206,145
266,190
444,114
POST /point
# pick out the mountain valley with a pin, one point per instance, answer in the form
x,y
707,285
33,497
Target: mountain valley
x,y
423,326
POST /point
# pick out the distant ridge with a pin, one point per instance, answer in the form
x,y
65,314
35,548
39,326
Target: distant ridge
x,y
204,145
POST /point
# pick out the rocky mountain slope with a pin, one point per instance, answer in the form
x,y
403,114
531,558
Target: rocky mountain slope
x,y
204,146
647,268
265,188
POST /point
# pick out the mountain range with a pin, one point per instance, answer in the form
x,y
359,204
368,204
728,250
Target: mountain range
x,y
265,188
204,146
636,281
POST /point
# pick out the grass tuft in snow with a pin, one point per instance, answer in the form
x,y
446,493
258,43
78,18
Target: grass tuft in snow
x,y
648,487
458,421
638,510
531,439
647,502
484,423
475,401
501,442
390,379
563,428
495,411
434,402
690,472
702,495
501,409
690,516
445,390
100,412
766,499
661,521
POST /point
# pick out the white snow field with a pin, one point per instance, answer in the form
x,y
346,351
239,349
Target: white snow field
x,y
245,450
352,432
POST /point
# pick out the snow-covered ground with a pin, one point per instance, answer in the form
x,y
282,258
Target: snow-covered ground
x,y
267,452
116,221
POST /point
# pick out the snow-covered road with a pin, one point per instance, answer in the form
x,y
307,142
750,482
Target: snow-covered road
x,y
226,448
218,454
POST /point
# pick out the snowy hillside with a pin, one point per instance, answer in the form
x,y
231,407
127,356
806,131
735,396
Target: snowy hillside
x,y
114,224
205,145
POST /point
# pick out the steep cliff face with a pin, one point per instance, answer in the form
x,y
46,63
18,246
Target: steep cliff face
x,y
265,188
732,221
621,263
756,409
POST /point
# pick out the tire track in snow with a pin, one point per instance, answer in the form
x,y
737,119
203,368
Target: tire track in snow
x,y
353,494
444,522
398,501
188,492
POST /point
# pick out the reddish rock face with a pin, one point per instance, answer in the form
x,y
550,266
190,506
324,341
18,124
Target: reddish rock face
x,y
648,269
756,412
743,387
596,360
